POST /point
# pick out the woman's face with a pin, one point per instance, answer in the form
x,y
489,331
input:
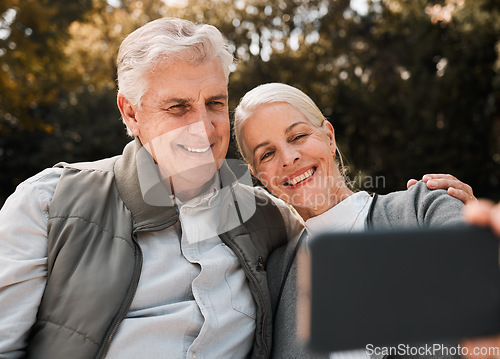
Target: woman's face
x,y
293,158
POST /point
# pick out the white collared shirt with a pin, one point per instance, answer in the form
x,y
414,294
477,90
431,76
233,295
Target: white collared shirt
x,y
192,300
347,216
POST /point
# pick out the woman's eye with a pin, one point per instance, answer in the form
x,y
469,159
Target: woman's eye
x,y
265,155
299,136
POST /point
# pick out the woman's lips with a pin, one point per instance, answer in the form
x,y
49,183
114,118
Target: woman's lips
x,y
297,179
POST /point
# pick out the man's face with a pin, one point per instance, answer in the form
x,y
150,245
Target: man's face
x,y
183,121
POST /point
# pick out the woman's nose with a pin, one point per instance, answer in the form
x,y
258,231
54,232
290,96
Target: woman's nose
x,y
290,156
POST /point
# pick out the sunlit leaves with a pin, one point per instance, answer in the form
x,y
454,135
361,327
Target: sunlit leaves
x,y
410,86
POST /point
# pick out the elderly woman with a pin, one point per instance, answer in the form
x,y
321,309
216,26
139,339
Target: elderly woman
x,y
291,149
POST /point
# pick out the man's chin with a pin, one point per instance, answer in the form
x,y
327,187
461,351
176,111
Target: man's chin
x,y
193,181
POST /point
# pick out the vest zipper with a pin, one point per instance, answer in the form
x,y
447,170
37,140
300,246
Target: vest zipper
x,y
136,278
129,299
250,275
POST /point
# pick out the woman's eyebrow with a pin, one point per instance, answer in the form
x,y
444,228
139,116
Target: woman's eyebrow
x,y
287,130
259,146
291,127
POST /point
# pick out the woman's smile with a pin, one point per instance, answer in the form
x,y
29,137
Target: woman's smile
x,y
296,180
293,158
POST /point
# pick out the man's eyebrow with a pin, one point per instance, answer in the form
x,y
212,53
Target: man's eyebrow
x,y
179,100
218,97
176,100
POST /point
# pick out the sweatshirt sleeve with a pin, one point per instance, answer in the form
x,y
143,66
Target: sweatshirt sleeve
x,y
418,206
23,259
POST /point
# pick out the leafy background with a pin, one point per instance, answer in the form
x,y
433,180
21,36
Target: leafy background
x,y
411,87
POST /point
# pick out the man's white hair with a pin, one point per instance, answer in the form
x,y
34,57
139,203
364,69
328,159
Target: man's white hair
x,y
163,42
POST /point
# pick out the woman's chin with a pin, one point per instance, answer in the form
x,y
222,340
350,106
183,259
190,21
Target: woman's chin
x,y
307,197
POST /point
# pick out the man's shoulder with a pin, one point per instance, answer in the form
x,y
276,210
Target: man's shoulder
x,y
104,165
292,220
264,194
267,198
38,188
88,191
47,175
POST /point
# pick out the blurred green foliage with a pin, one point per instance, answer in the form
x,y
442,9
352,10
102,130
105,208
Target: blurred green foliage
x,y
411,87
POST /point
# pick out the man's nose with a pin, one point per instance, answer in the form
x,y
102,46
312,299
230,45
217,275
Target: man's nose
x,y
201,125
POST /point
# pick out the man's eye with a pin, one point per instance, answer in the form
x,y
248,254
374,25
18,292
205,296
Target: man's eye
x,y
178,109
216,105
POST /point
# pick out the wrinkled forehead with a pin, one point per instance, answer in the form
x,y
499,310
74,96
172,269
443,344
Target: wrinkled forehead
x,y
193,55
186,80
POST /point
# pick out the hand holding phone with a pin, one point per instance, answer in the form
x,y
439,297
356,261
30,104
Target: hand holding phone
x,y
394,287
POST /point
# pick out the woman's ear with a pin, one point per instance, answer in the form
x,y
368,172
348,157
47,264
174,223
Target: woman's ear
x,y
330,132
128,111
252,172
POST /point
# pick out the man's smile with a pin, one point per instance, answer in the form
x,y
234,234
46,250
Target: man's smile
x,y
200,149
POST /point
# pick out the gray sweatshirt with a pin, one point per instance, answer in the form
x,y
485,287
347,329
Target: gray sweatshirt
x,y
415,207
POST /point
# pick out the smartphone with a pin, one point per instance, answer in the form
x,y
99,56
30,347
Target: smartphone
x,y
387,288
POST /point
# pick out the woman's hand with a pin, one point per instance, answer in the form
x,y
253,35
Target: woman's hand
x,y
483,213
455,187
486,214
482,348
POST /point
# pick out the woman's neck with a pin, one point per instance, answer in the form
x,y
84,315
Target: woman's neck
x,y
340,193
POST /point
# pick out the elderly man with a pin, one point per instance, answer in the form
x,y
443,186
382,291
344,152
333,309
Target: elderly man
x,y
159,252
144,255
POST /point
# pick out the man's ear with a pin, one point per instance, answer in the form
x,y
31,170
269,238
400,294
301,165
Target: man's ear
x,y
128,111
330,132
